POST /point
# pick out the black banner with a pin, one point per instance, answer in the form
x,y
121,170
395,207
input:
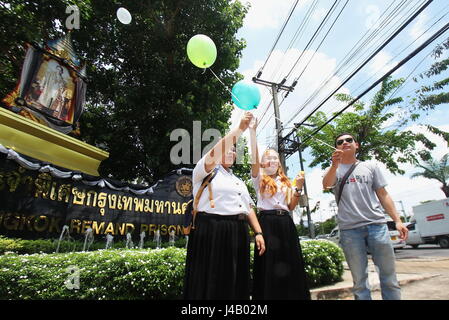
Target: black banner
x,y
38,203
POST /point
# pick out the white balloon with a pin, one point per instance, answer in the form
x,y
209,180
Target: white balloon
x,y
124,16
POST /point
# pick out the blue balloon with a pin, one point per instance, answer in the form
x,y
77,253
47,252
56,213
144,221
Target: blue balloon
x,y
246,95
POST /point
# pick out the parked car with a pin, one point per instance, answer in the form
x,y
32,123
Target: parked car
x,y
334,236
398,243
431,225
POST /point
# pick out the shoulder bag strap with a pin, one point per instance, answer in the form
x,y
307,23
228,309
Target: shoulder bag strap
x,y
343,181
205,183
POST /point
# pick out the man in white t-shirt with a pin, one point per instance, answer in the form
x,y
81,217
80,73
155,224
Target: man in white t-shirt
x,y
361,219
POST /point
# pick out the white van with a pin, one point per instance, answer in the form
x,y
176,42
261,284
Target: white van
x,y
431,225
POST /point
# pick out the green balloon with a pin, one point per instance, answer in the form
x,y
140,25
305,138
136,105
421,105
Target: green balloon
x,y
201,51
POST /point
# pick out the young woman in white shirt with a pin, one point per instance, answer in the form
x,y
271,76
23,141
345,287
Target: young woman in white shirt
x,y
218,261
279,273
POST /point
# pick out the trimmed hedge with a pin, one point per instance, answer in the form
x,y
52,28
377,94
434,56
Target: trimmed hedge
x,y
104,274
22,246
130,274
323,261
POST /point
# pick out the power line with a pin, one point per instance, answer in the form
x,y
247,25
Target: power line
x,y
398,54
279,36
278,67
312,38
343,65
297,34
399,88
307,46
400,64
367,80
360,67
325,36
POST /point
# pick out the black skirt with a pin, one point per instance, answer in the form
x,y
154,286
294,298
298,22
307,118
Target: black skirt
x,y
217,264
279,273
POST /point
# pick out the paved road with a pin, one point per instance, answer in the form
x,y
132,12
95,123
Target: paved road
x,y
423,274
436,287
426,250
432,263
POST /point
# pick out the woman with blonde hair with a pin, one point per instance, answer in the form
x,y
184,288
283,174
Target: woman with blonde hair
x,y
279,273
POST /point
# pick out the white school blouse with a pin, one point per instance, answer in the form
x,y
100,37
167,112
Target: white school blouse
x,y
266,201
230,194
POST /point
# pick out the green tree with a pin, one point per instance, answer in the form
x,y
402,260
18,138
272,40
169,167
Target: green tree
x,y
437,170
366,122
141,85
430,96
302,230
325,227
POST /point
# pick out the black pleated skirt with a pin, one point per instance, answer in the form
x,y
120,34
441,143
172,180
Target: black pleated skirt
x,y
279,273
217,264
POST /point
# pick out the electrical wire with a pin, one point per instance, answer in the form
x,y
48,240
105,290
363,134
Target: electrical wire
x,y
435,36
324,38
390,15
351,55
366,61
324,21
292,9
313,37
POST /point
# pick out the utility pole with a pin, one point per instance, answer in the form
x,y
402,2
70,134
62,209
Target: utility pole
x,y
278,124
275,88
309,219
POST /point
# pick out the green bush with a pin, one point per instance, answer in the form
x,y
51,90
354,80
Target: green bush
x,y
323,262
21,246
104,274
127,274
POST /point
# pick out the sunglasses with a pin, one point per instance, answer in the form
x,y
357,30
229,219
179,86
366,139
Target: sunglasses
x,y
348,140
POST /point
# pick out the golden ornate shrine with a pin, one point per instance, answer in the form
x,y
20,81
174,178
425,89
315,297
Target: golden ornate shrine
x,y
46,105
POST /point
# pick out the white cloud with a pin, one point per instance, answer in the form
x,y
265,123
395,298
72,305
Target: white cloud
x,y
419,26
373,15
381,63
266,13
278,67
319,14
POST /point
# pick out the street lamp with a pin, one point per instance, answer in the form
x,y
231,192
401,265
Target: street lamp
x,y
403,211
334,207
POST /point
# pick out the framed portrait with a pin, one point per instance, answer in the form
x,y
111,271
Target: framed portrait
x,y
52,86
52,90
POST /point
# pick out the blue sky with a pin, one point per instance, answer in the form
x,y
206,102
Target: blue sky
x,y
261,26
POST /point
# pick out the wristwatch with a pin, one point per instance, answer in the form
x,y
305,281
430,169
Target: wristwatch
x,y
257,234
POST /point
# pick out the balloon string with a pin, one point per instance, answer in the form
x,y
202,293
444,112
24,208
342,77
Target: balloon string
x,y
223,84
322,142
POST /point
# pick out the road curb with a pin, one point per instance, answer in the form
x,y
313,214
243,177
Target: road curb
x,y
346,291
